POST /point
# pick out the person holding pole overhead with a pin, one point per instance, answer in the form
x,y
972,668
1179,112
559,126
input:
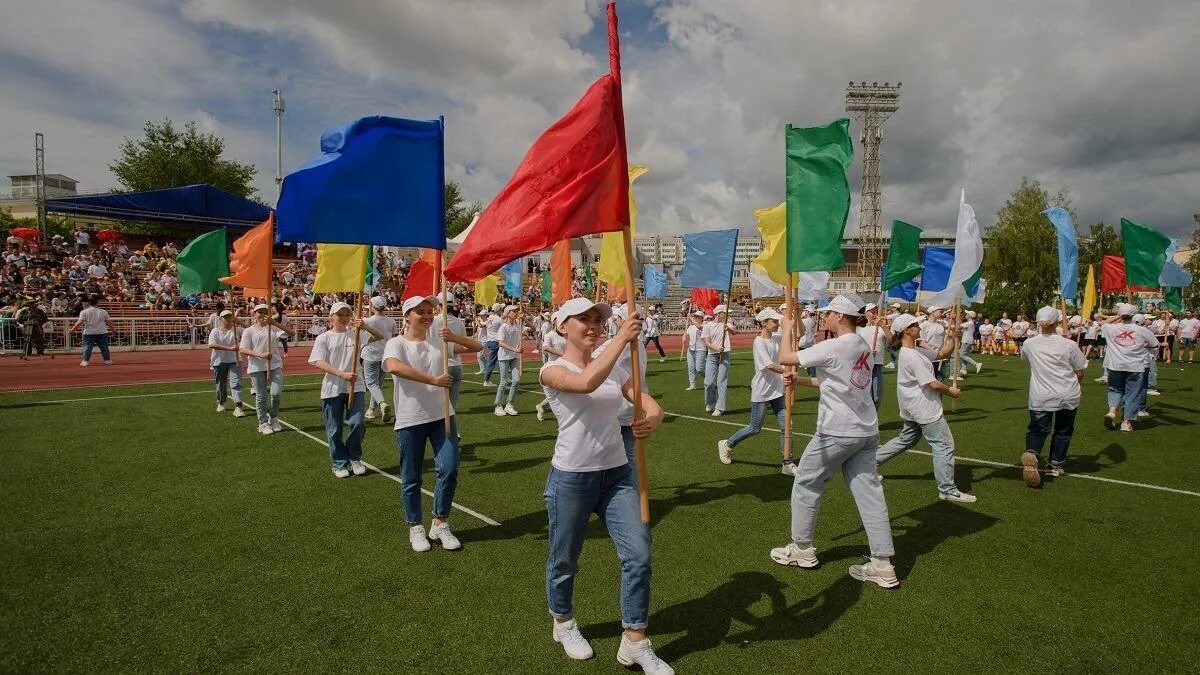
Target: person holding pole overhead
x,y
265,367
343,392
716,369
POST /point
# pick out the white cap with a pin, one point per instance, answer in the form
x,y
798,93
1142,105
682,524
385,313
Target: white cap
x,y
1126,309
1048,314
720,308
577,306
896,305
870,306
1139,318
412,302
903,321
449,298
844,304
496,307
339,306
379,302
783,307
261,308
699,313
767,313
934,308
970,314
511,308
226,313
483,312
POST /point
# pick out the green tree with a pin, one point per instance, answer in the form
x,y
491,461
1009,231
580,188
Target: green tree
x,y
1021,262
166,157
1191,294
1102,240
458,212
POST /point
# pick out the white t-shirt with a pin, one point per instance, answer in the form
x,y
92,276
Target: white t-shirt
x,y
766,384
589,435
694,341
434,338
213,322
1020,329
1159,328
844,367
494,321
1053,361
1093,330
1004,324
712,333
509,334
1189,328
914,372
881,338
985,330
933,334
386,325
552,340
257,338
621,373
810,332
968,332
97,270
225,338
1129,346
337,349
650,328
94,321
416,402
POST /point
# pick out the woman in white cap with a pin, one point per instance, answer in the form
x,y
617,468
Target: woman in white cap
x,y
877,334
1055,370
415,365
225,362
508,340
372,357
1128,346
697,353
265,366
590,473
491,353
766,388
847,436
452,331
481,333
716,368
553,346
334,354
919,394
933,336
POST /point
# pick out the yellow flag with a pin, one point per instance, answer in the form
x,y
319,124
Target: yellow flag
x,y
1089,295
611,268
768,272
341,268
486,291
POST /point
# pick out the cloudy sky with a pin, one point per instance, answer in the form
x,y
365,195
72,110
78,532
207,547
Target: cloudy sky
x,y
1101,98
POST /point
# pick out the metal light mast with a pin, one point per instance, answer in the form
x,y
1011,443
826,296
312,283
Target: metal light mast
x,y
280,107
871,105
39,180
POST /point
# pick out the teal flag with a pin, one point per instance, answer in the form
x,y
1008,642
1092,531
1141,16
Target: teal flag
x,y
202,263
1145,253
547,286
818,195
904,255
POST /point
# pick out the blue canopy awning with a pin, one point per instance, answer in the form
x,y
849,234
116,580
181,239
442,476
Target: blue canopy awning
x,y
191,205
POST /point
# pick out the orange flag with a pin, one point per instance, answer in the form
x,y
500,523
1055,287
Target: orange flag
x,y
560,269
250,262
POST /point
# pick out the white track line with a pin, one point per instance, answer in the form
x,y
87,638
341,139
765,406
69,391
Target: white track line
x,y
381,472
164,393
130,384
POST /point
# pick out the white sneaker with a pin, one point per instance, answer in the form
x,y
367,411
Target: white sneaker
x,y
691,388
1153,392
357,468
708,408
541,412
370,413
642,653
276,426
499,411
83,363
566,633
1103,380
416,537
662,360
1126,426
510,410
488,384
341,473
441,533
890,366
385,411
788,469
220,407
963,373
978,367
1142,414
880,574
723,452
957,496
717,412
265,429
794,556
239,411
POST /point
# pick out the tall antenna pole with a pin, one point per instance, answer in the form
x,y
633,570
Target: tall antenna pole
x,y
39,180
871,105
279,109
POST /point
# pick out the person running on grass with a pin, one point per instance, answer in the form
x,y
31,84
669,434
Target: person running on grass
x,y
964,351
622,371
1055,370
653,333
333,353
508,339
553,346
265,367
873,329
225,362
919,394
766,389
591,473
716,369
372,357
1189,329
454,333
1128,346
421,388
693,342
847,437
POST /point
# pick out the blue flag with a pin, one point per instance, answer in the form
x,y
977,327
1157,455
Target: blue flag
x,y
1068,252
654,283
708,259
1172,275
514,273
906,291
378,180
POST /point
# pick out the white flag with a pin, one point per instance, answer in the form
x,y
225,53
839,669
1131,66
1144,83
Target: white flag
x,y
968,257
761,285
812,285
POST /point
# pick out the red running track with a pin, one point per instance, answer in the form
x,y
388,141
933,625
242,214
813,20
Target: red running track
x,y
187,365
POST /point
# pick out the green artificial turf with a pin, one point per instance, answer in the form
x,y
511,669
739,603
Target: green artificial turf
x,y
151,534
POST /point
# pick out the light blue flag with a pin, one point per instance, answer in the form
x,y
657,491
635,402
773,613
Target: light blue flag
x,y
654,283
1068,252
1172,275
708,259
906,291
513,275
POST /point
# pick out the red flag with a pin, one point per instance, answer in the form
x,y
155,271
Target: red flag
x,y
572,182
706,299
1112,277
560,268
422,279
250,262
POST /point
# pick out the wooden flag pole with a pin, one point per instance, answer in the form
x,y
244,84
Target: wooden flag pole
x,y
635,374
1066,325
954,357
358,309
445,345
789,391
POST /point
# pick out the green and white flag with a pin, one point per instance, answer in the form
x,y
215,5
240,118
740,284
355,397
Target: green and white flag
x,y
968,259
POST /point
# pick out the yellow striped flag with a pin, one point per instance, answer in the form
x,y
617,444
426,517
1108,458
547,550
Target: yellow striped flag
x,y
611,268
341,268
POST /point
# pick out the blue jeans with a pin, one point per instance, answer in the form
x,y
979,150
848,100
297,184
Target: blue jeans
x,y
940,440
716,380
491,352
1124,389
333,410
1152,377
445,465
373,378
101,341
964,356
695,364
266,404
510,377
456,377
856,458
612,494
758,412
228,376
1039,429
1144,389
877,384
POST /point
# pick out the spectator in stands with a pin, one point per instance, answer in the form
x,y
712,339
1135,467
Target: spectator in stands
x,y
169,250
59,306
82,239
96,270
137,261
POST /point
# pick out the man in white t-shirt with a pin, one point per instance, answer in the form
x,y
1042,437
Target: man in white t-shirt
x,y
716,369
1055,370
651,332
491,353
96,325
1189,329
265,367
97,271
1129,347
933,336
372,357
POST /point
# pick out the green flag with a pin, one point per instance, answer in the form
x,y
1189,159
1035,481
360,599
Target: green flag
x,y
1173,300
1145,253
547,286
818,195
904,255
202,263
588,281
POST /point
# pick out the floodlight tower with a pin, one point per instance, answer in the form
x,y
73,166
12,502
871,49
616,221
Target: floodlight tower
x,y
39,179
871,105
280,107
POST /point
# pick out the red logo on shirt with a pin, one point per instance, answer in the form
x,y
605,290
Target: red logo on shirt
x,y
860,374
1125,338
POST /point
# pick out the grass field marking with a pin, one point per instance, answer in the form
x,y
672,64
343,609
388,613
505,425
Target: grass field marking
x,y
381,472
164,393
